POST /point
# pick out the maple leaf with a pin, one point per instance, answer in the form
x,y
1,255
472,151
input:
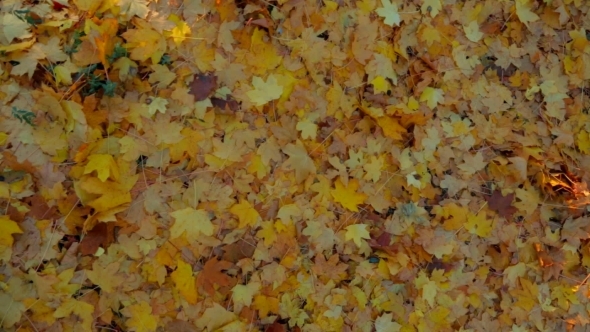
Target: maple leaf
x,y
12,27
501,204
299,160
472,32
244,294
215,317
348,195
264,91
479,224
431,96
389,12
105,276
308,129
524,13
212,275
203,86
192,223
157,104
185,281
246,213
266,305
385,323
357,232
140,316
134,8
7,228
391,127
104,165
79,308
431,6
332,268
11,310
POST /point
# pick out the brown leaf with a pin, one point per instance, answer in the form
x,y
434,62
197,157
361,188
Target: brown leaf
x,y
100,235
332,268
10,161
502,204
212,275
275,327
238,250
202,86
39,208
227,106
180,326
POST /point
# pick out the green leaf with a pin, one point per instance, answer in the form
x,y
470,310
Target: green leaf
x,y
109,88
165,60
23,115
118,52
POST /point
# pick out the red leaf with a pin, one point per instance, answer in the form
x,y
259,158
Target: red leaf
x,y
213,274
58,6
100,235
202,86
502,204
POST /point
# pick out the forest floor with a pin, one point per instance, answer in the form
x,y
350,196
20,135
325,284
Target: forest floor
x,y
294,165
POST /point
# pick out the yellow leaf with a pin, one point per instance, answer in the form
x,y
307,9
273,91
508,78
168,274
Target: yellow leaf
x,y
7,228
479,224
134,8
524,13
431,96
348,196
360,296
356,233
583,141
366,6
157,104
299,160
431,6
456,216
246,213
429,291
110,200
11,310
266,305
106,276
391,127
141,318
17,46
308,129
287,211
472,32
104,165
180,32
81,309
389,12
88,5
385,323
264,91
380,84
268,233
191,222
124,64
13,27
184,281
62,75
430,35
144,42
243,294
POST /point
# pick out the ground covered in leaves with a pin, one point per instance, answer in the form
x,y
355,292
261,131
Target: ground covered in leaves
x,y
294,165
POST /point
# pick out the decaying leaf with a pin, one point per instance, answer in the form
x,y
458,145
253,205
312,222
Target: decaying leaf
x,y
294,165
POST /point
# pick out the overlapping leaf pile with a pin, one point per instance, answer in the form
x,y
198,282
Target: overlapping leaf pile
x,y
294,165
